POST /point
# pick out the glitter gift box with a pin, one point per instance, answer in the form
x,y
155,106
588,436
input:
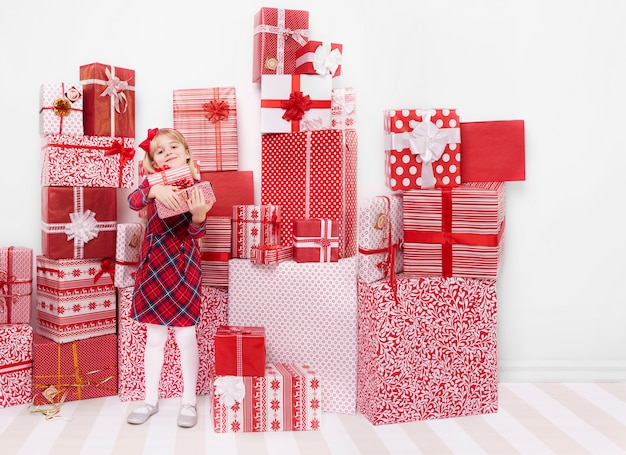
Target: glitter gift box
x,y
61,108
16,364
319,57
16,284
315,240
240,351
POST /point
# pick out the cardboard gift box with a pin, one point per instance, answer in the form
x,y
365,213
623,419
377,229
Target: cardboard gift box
x,y
381,237
215,250
319,57
127,253
309,314
422,148
109,100
312,175
75,298
295,102
315,240
270,254
61,108
16,284
183,195
230,188
255,225
89,161
240,351
132,345
427,349
207,117
287,397
278,34
78,222
16,364
454,231
343,108
77,370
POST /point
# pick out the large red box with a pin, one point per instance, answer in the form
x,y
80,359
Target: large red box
x,y
16,364
315,240
230,188
240,351
16,284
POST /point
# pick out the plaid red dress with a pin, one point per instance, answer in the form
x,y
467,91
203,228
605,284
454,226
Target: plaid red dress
x,y
168,283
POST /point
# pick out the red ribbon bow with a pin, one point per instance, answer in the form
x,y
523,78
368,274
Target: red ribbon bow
x,y
296,106
216,110
106,266
126,155
145,145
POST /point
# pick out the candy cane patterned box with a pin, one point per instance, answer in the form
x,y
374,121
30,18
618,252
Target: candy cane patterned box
x,y
61,108
427,349
16,284
422,148
309,314
16,364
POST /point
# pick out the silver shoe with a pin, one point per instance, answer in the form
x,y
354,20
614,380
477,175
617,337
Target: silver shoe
x,y
186,420
142,414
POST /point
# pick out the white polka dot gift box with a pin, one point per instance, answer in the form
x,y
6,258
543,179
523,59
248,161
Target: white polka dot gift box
x,y
61,108
422,148
16,284
16,364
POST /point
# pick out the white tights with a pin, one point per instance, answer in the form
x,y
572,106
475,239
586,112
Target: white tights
x,y
155,354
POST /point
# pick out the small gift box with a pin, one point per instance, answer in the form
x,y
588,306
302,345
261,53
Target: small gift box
x,y
16,284
270,254
343,108
179,176
240,351
230,188
215,250
16,364
254,225
127,253
319,57
61,108
183,195
315,240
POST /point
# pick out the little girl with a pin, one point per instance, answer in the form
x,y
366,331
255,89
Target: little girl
x,y
168,284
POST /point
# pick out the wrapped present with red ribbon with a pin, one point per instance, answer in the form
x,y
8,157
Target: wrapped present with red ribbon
x,y
295,102
16,364
215,250
16,284
315,240
61,108
319,57
90,161
109,100
255,225
239,351
183,194
179,176
127,253
207,117
270,254
75,298
454,231
230,188
278,34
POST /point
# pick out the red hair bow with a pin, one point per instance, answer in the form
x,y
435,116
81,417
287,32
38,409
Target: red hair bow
x,y
146,143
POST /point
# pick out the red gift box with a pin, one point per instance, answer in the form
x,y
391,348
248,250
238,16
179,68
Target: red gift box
x,y
109,100
215,250
254,225
16,364
72,371
240,351
78,222
422,148
207,117
278,34
16,284
315,240
319,57
61,109
270,254
230,188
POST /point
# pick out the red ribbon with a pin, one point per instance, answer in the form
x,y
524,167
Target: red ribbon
x,y
215,256
216,110
296,106
106,266
126,154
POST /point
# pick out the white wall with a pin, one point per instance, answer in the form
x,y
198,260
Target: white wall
x,y
559,65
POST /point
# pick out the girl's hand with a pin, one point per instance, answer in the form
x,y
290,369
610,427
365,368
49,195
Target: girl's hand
x,y
165,194
198,206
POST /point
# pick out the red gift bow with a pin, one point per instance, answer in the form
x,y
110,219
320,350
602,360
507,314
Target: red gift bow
x,y
145,145
296,106
106,266
216,110
126,155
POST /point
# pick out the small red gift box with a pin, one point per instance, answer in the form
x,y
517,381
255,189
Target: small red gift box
x,y
109,100
270,254
319,57
315,240
215,250
230,188
61,109
16,364
16,284
240,351
254,225
183,195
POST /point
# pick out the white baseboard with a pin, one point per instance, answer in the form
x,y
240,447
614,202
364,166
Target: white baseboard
x,y
561,371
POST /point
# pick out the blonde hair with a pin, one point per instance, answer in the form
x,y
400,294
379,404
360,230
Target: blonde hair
x,y
176,136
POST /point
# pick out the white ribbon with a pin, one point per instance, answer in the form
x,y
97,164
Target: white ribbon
x,y
326,60
83,227
115,88
230,389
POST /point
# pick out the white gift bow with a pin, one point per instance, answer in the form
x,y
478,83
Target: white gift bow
x,y
325,60
115,89
83,227
230,389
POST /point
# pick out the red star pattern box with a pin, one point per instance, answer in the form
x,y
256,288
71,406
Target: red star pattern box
x,y
255,225
72,371
240,351
309,314
61,108
132,344
16,284
75,298
207,117
127,253
16,364
286,398
427,349
215,250
454,231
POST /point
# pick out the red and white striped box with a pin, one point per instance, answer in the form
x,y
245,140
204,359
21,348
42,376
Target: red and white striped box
x,y
343,108
239,351
132,345
309,314
422,148
270,254
179,176
61,108
78,222
295,102
207,117
127,253
315,240
183,195
278,34
319,57
427,349
255,225
109,100
312,175
16,284
381,237
75,298
454,231
288,397
215,250
90,161
16,364
77,370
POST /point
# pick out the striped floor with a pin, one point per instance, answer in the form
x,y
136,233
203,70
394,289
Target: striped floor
x,y
537,418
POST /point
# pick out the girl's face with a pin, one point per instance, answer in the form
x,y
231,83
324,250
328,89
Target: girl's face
x,y
169,152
